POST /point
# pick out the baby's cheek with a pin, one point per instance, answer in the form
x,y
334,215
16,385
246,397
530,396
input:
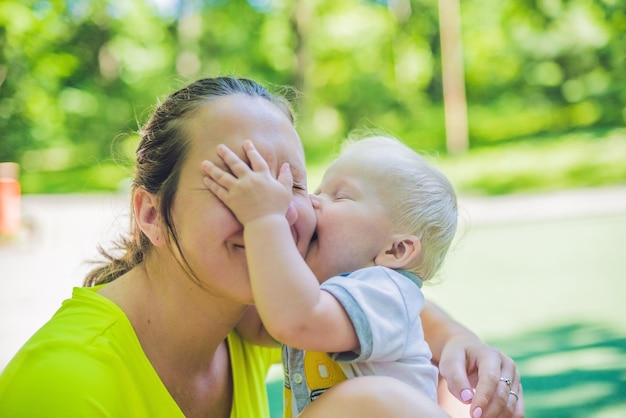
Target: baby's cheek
x,y
318,269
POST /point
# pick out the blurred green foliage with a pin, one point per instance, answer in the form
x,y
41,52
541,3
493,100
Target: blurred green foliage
x,y
584,158
78,77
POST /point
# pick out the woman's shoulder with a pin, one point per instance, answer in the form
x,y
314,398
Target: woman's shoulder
x,y
47,373
81,322
79,338
76,340
87,355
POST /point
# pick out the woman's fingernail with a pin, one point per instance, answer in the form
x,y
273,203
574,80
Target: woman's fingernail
x,y
477,412
467,395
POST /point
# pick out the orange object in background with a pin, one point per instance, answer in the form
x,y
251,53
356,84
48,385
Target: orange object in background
x,y
10,199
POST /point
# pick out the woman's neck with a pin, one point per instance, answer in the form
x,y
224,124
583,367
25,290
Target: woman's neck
x,y
182,330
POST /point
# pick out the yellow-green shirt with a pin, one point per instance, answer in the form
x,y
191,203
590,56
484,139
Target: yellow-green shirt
x,y
87,361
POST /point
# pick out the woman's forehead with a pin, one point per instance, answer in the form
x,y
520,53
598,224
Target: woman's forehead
x,y
232,119
279,150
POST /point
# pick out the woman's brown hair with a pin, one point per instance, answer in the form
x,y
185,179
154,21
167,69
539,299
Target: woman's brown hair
x,y
160,155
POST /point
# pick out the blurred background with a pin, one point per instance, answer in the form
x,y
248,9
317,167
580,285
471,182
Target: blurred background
x,y
543,82
522,103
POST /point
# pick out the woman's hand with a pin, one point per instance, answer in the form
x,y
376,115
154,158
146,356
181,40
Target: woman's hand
x,y
475,372
483,375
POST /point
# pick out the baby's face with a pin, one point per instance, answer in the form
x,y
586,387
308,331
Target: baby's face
x,y
352,222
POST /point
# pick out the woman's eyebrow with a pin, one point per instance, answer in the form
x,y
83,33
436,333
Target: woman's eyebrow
x,y
298,175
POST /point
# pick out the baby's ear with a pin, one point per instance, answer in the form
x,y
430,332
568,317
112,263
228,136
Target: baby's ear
x,y
400,252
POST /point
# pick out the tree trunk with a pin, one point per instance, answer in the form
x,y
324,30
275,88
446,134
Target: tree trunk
x,y
455,103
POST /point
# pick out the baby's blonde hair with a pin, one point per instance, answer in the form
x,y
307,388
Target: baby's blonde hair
x,y
420,199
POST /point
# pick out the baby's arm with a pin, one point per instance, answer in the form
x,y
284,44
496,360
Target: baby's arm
x,y
251,328
286,292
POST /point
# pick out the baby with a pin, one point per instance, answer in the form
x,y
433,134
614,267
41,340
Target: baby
x,y
385,221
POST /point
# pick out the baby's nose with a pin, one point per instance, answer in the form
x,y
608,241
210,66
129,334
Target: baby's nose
x,y
292,214
315,200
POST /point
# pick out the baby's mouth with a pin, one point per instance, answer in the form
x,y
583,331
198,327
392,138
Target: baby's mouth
x,y
314,237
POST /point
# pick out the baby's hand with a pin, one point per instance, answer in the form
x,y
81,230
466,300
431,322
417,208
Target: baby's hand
x,y
250,192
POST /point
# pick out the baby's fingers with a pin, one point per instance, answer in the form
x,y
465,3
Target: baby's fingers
x,y
257,162
216,175
216,180
285,177
232,161
235,164
212,186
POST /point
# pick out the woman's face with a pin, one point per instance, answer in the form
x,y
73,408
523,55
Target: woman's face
x,y
210,236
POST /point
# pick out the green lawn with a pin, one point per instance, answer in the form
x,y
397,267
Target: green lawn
x,y
550,294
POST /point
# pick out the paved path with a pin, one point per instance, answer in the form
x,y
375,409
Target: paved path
x,y
40,266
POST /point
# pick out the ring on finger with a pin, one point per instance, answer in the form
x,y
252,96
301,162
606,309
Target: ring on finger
x,y
514,394
507,381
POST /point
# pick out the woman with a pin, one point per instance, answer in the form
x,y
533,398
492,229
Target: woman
x,y
153,335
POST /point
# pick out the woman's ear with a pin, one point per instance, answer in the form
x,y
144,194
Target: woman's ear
x,y
145,207
401,251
